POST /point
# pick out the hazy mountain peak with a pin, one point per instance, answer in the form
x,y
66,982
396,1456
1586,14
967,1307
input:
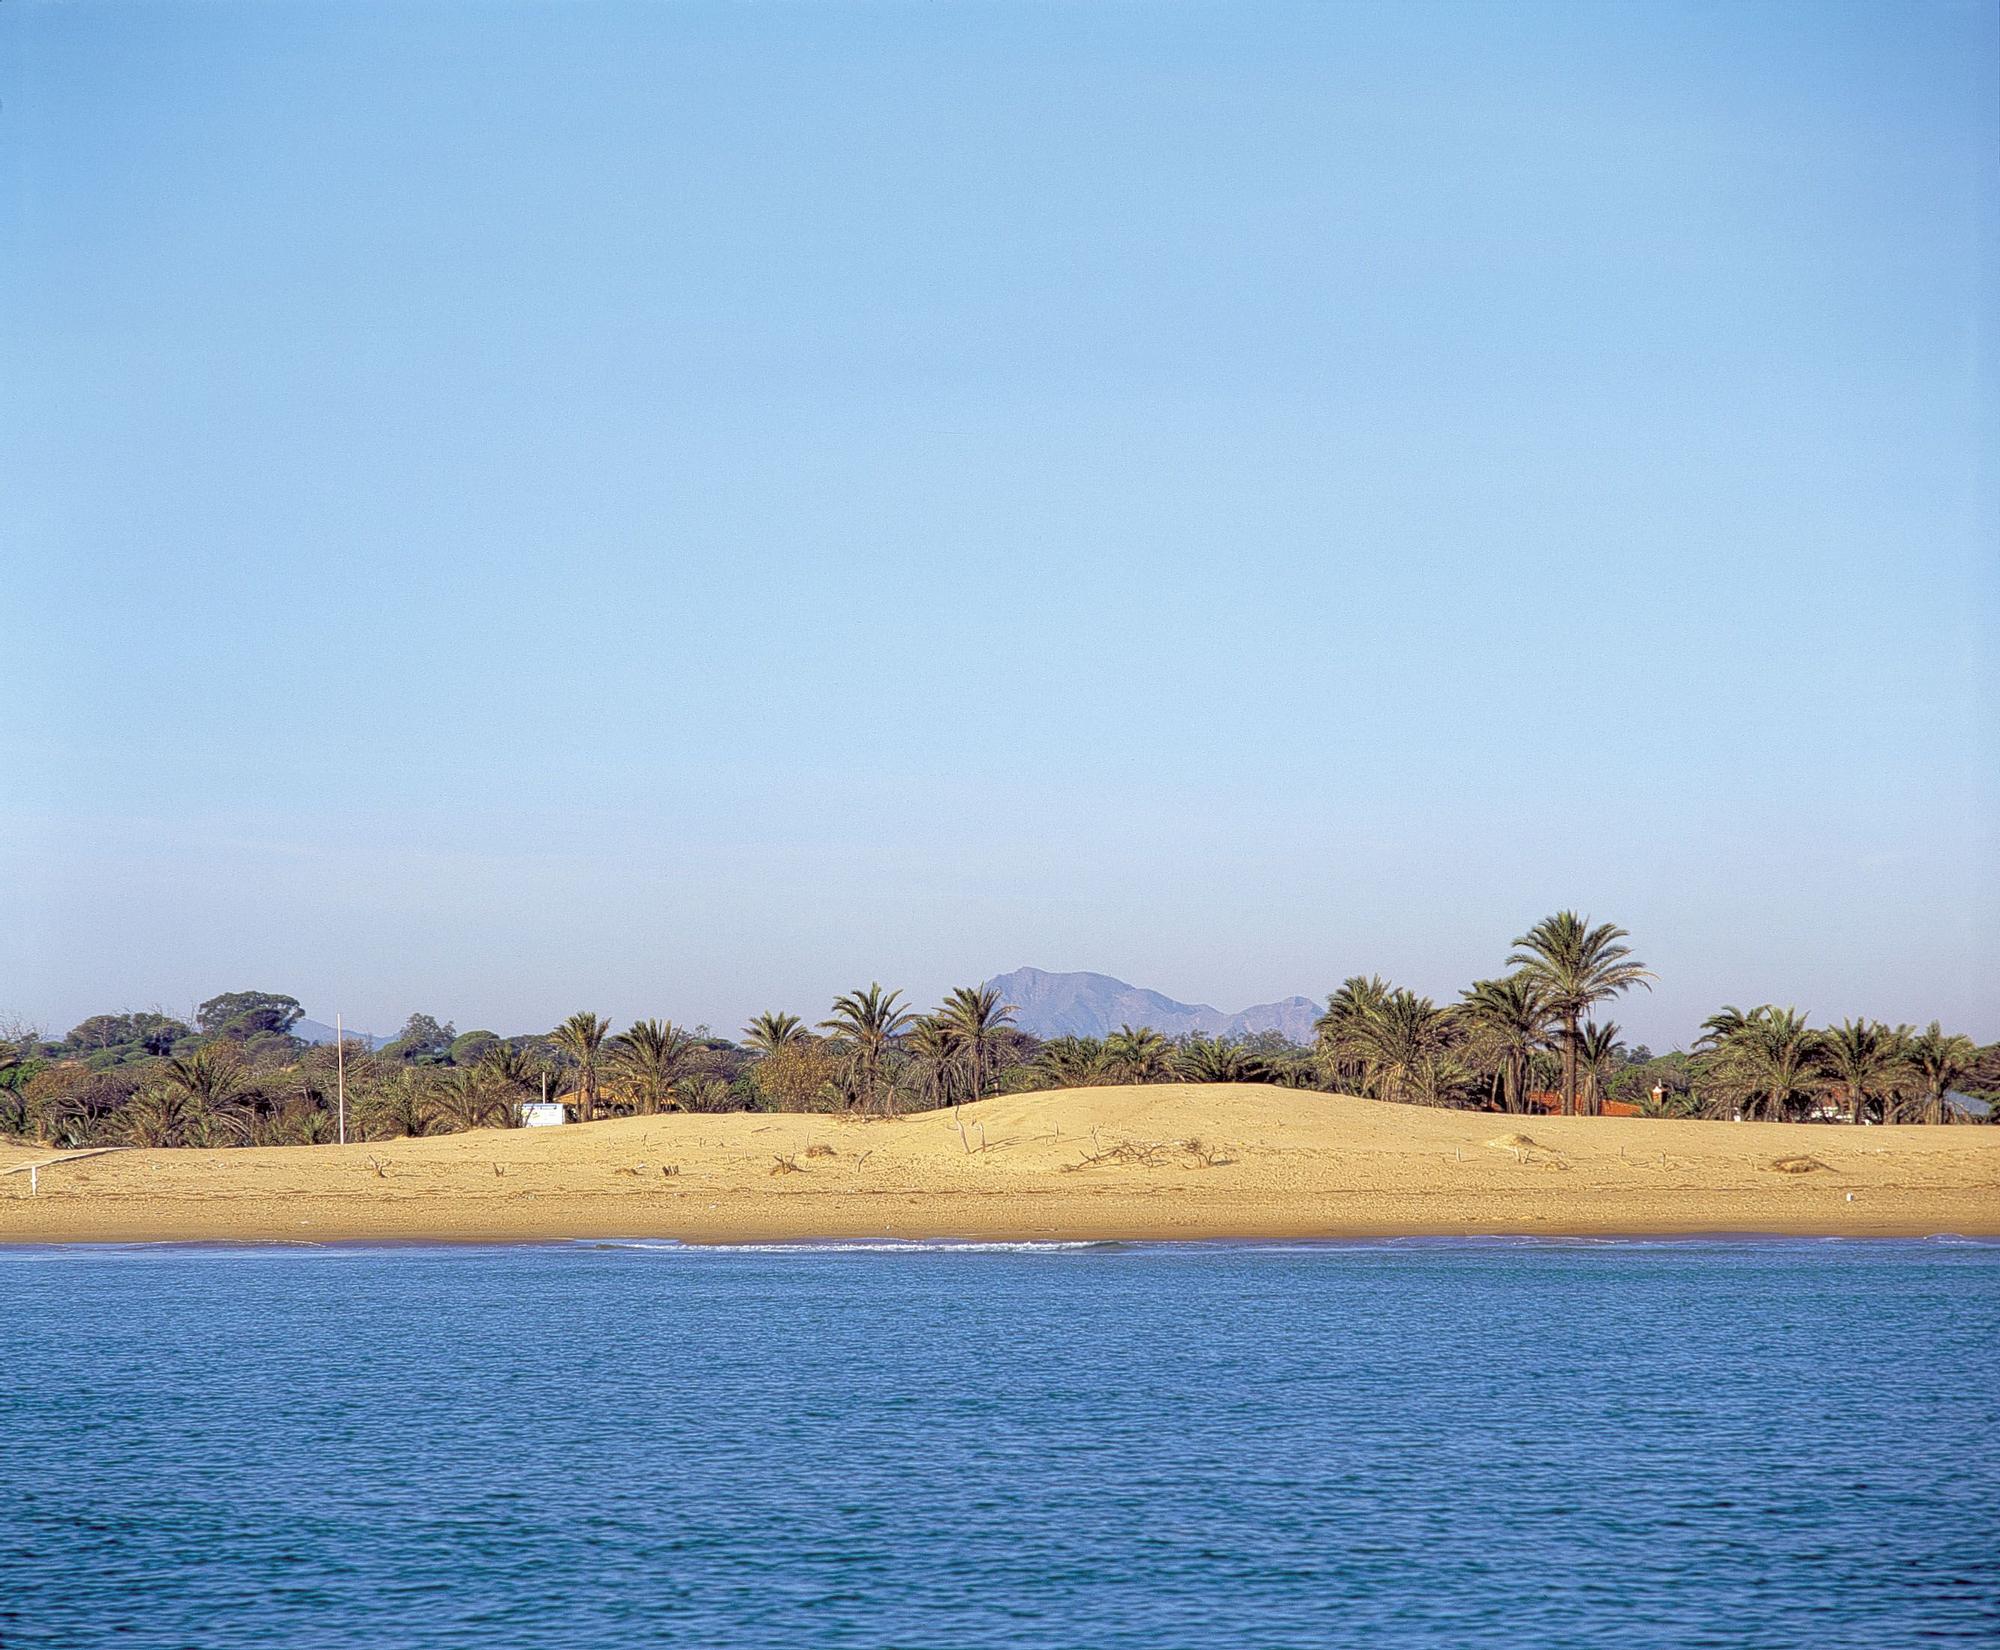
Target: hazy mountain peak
x,y
1089,1005
317,1031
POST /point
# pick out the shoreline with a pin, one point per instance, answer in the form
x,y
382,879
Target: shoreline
x,y
1157,1164
832,1243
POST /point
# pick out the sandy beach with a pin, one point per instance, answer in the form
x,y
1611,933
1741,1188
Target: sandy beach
x,y
1172,1161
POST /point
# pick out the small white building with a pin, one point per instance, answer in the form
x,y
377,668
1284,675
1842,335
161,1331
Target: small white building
x,y
540,1114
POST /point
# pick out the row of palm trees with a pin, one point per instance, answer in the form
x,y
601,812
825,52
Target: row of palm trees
x,y
1506,1039
1389,1042
1766,1062
211,1096
1770,1062
873,1044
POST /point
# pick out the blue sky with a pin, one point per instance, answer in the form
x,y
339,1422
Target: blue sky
x,y
684,509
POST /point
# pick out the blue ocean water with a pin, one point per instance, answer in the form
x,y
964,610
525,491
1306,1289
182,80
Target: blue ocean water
x,y
1738,1444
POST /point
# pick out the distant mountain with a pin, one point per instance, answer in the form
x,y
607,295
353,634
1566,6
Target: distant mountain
x,y
312,1031
1089,1005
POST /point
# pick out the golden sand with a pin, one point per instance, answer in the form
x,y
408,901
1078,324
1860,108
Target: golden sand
x,y
1162,1161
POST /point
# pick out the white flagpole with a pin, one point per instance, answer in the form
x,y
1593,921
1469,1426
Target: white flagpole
x,y
340,1071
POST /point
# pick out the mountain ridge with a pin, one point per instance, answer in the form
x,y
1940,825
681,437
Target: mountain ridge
x,y
1084,1004
320,1033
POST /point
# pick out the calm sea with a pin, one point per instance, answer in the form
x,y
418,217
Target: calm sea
x,y
1440,1444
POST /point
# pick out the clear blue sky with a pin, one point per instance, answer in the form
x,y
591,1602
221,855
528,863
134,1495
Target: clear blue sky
x,y
685,509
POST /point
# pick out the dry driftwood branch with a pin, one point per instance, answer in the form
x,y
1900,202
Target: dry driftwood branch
x,y
1147,1154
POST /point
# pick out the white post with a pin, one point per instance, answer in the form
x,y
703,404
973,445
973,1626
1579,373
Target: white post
x,y
340,1071
34,1179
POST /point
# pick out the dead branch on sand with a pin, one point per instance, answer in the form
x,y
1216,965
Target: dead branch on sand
x,y
1138,1154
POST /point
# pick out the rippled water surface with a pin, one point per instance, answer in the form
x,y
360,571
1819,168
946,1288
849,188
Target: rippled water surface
x,y
1727,1444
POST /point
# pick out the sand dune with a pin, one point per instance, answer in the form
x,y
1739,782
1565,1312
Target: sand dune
x,y
1163,1161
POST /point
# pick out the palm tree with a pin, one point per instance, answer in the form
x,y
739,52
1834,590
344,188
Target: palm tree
x,y
581,1037
1338,1031
404,1103
648,1056
1576,967
1724,1024
1217,1060
934,1053
1597,1053
1074,1062
1139,1054
201,1096
1663,1104
1405,1042
772,1031
704,1092
508,1066
467,1097
190,1102
971,1016
870,1021
1938,1062
159,1115
1863,1060
514,1074
1769,1064
1508,1020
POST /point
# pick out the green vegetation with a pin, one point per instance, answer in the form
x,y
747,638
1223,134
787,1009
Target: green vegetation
x,y
1523,1041
1575,967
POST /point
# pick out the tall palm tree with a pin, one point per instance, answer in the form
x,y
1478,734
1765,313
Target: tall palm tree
x,y
1576,966
772,1031
1508,1020
870,1021
581,1037
1769,1065
1139,1054
648,1057
1938,1061
971,1016
1597,1054
1863,1060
